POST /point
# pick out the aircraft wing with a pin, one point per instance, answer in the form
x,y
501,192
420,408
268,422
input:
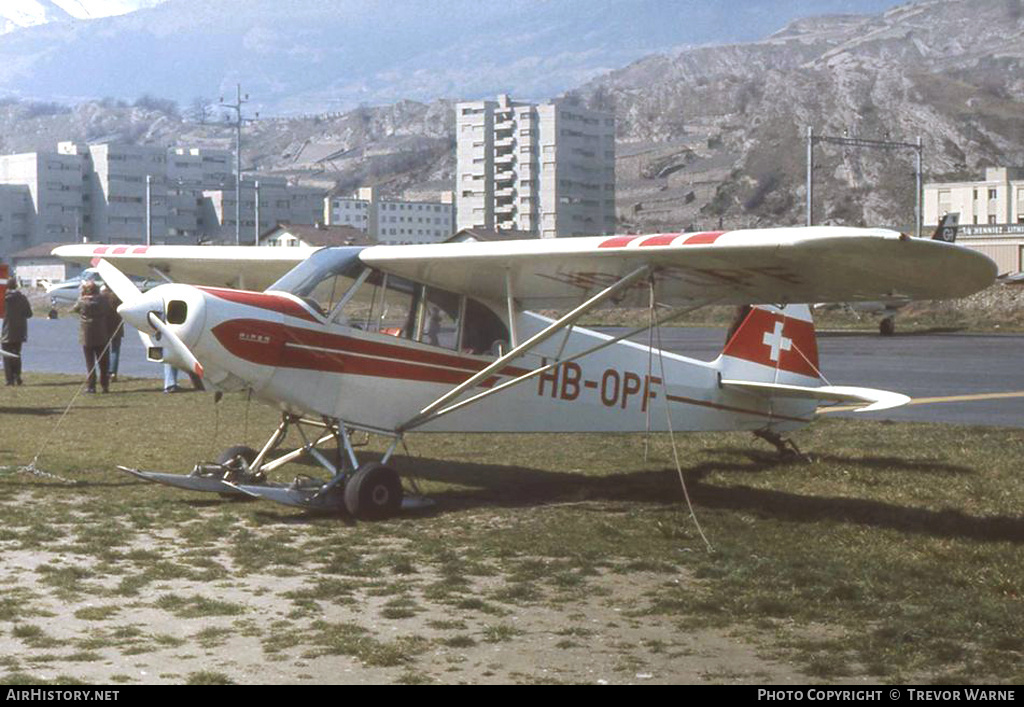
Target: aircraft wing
x,y
771,266
241,267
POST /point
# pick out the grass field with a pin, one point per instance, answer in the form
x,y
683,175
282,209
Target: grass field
x,y
895,555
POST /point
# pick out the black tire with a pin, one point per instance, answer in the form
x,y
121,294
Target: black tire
x,y
228,457
373,493
887,327
239,450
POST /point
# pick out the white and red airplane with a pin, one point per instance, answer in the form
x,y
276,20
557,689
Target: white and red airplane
x,y
445,338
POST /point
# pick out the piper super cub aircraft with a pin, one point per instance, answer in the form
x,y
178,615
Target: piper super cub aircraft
x,y
444,338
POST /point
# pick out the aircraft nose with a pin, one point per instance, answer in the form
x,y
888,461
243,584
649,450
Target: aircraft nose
x,y
137,312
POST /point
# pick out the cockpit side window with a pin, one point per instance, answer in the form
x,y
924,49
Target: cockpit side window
x,y
399,307
439,319
483,332
391,305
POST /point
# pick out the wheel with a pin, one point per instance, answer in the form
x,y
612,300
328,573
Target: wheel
x,y
231,458
887,327
374,492
238,451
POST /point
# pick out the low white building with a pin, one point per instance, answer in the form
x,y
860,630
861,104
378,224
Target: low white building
x,y
393,221
996,199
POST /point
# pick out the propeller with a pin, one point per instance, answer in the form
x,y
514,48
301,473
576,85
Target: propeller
x,y
145,313
180,353
8,354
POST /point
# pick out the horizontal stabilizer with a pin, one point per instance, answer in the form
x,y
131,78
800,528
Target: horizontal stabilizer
x,y
872,398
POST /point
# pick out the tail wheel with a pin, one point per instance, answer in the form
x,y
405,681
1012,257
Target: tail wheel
x,y
374,492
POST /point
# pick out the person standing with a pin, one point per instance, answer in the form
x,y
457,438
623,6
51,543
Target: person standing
x,y
93,333
116,328
15,330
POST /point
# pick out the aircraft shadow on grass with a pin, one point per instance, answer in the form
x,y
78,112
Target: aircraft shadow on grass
x,y
505,486
501,486
33,411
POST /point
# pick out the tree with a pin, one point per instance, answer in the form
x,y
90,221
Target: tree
x,y
201,110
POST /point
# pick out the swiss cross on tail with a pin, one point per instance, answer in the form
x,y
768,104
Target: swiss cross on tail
x,y
779,339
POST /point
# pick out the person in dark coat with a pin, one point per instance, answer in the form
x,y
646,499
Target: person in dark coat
x,y
15,330
93,333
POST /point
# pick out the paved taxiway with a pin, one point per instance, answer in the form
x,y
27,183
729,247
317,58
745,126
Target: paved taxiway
x,y
924,366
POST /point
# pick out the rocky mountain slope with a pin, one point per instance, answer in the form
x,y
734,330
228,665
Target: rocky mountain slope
x,y
719,132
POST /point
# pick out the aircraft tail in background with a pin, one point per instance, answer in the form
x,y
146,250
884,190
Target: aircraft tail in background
x,y
947,228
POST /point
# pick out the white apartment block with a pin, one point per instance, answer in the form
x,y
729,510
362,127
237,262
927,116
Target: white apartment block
x,y
103,192
392,221
547,169
41,199
996,199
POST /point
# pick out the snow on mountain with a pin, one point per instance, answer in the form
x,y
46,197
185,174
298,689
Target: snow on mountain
x,y
19,14
16,14
93,9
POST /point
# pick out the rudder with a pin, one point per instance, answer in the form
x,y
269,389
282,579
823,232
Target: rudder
x,y
775,345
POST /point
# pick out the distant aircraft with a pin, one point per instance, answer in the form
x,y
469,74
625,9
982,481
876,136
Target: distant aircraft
x,y
888,308
440,338
67,291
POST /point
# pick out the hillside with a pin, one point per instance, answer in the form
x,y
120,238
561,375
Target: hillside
x,y
719,132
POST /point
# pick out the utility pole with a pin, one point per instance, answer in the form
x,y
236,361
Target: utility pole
x,y
239,120
149,209
917,147
256,186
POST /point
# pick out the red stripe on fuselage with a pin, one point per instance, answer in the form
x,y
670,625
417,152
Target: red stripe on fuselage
x,y
274,303
273,344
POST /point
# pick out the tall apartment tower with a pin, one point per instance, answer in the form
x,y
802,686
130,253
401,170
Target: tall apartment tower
x,y
548,169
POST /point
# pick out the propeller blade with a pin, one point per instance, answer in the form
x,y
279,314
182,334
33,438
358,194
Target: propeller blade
x,y
8,354
181,354
118,282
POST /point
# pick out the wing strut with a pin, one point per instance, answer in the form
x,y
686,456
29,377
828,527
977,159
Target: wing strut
x,y
428,413
674,314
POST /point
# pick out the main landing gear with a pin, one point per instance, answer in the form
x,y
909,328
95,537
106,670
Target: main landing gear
x,y
369,491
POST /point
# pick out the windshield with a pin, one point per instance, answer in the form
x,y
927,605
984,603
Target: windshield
x,y
323,278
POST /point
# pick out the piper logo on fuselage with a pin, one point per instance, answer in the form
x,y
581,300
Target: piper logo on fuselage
x,y
253,338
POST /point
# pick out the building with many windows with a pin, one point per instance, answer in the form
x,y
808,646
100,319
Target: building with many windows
x,y
43,197
393,220
116,193
996,199
991,214
547,169
268,200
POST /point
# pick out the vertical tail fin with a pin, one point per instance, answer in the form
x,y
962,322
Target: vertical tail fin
x,y
773,345
947,228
